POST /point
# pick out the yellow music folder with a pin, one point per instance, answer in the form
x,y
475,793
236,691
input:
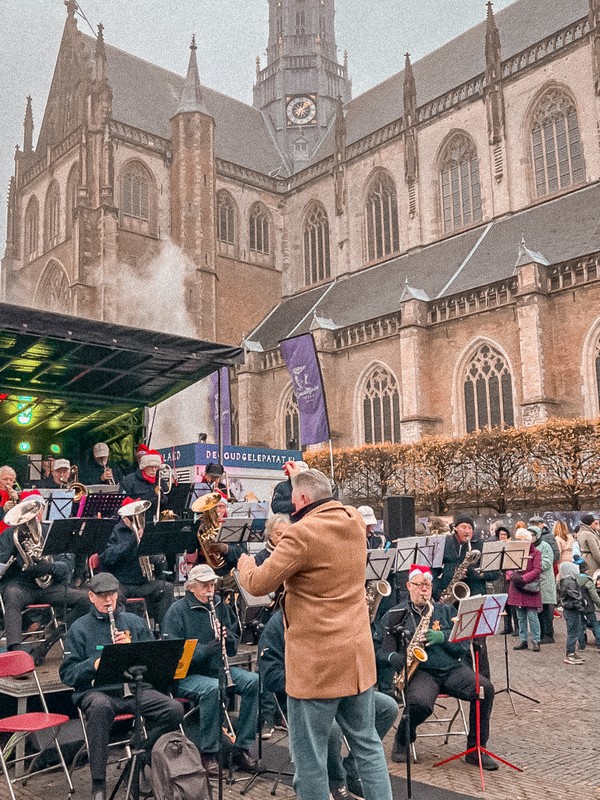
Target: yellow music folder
x,y
186,659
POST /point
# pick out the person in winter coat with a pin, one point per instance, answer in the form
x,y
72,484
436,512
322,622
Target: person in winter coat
x,y
591,599
281,502
571,598
564,539
527,603
589,542
547,587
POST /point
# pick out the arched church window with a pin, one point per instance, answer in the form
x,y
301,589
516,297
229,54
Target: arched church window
x,y
488,391
225,218
556,144
31,228
135,201
460,188
381,213
51,216
71,196
53,292
300,22
291,422
381,407
317,259
259,229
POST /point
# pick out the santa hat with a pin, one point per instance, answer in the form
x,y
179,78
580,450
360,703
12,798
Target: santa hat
x,y
29,493
151,458
420,569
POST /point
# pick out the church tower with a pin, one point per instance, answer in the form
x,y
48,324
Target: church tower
x,y
299,88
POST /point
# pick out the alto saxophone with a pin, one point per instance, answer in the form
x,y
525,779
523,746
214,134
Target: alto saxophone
x,y
457,589
376,591
415,653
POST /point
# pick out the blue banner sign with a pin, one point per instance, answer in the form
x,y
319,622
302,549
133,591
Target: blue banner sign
x,y
188,455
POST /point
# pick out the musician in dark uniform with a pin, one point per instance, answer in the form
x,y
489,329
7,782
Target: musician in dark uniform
x,y
191,618
100,469
447,668
20,583
144,481
59,477
456,547
120,558
100,705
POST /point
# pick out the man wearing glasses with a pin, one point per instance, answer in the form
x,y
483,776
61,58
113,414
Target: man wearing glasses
x,y
447,669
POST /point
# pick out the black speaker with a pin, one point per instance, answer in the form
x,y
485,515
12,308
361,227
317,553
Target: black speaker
x,y
399,516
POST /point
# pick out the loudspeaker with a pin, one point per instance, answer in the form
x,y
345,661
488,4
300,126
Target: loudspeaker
x,y
399,516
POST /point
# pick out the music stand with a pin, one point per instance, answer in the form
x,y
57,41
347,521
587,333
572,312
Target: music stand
x,y
235,531
152,662
78,535
477,617
60,503
423,550
103,504
169,537
503,556
379,564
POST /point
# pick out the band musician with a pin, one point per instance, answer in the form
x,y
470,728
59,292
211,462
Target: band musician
x,y
447,668
192,617
145,481
139,577
8,493
20,583
100,469
457,547
83,647
59,477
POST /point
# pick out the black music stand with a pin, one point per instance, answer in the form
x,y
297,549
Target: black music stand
x,y
251,608
478,617
60,503
504,556
79,535
153,662
235,530
168,538
102,504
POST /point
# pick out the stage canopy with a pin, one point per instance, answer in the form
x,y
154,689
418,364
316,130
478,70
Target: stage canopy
x,y
66,372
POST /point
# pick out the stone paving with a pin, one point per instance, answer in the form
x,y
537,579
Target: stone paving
x,y
554,742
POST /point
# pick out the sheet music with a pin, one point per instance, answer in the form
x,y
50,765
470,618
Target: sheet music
x,y
379,564
504,555
478,615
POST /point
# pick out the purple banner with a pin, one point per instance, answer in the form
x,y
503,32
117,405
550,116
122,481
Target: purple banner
x,y
224,412
301,360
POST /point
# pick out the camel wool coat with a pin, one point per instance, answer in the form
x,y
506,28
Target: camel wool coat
x,y
321,561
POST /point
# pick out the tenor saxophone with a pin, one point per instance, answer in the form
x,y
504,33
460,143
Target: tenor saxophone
x,y
457,589
415,652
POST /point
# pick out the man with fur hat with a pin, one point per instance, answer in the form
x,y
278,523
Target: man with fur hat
x,y
588,539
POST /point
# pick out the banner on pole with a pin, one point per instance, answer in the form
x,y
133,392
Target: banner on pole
x,y
302,362
224,412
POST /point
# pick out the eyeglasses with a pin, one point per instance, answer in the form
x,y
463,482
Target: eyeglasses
x,y
420,585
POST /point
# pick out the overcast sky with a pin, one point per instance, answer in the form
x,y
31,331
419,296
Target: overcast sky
x,y
230,34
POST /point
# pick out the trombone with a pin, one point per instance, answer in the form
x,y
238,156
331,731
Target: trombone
x,y
73,484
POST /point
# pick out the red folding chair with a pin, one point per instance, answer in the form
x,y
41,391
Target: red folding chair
x,y
14,664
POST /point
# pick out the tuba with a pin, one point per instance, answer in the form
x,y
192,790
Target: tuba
x,y
137,515
207,506
27,535
457,589
415,653
376,591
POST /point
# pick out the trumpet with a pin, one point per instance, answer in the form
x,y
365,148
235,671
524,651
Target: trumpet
x,y
165,473
103,461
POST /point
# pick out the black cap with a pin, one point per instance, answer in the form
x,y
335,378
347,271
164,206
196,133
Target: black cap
x,y
104,582
464,518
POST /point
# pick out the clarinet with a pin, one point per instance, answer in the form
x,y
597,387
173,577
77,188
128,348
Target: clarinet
x,y
213,621
113,626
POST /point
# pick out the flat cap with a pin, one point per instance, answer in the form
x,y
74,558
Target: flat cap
x,y
104,582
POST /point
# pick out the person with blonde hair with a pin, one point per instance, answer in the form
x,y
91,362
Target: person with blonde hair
x,y
564,540
520,595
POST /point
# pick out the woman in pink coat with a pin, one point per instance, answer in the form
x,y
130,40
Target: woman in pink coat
x,y
528,604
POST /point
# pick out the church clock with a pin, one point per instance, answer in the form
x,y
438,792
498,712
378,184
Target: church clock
x,y
301,110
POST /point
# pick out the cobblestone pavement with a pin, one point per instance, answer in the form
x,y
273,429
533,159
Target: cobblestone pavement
x,y
555,742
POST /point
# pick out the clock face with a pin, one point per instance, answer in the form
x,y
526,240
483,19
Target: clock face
x,y
301,110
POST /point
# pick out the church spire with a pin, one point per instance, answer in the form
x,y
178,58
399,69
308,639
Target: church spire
x,y
191,94
410,92
493,56
100,55
72,7
28,129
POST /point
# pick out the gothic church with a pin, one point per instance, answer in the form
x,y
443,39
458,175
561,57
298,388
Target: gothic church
x,y
438,234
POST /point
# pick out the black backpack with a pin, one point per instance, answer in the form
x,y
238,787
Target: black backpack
x,y
177,771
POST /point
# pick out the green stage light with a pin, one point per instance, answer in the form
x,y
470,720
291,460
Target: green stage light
x,y
24,418
55,448
24,447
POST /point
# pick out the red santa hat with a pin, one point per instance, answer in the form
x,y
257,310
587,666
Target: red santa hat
x,y
420,569
29,493
151,458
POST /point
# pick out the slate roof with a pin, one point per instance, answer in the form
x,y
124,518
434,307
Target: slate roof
x,y
561,229
146,96
520,25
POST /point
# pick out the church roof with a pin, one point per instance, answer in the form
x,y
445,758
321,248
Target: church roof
x,y
520,25
146,96
560,229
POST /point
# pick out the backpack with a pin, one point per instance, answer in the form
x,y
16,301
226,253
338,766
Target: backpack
x,y
177,771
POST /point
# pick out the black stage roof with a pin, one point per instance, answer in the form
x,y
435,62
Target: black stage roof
x,y
69,358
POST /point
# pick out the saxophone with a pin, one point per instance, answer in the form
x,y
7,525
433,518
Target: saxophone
x,y
415,653
457,589
376,591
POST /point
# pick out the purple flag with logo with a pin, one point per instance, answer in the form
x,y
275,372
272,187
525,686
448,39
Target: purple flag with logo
x,y
300,356
225,410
